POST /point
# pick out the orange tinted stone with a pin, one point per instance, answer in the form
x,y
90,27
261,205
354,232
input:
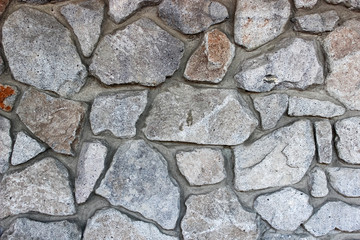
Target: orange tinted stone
x,y
6,92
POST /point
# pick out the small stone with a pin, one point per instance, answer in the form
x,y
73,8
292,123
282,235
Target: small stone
x,y
294,63
334,215
318,183
90,165
209,63
348,139
141,53
112,224
346,181
218,215
23,228
323,134
305,3
192,16
138,180
200,115
45,188
28,37
271,108
56,121
8,96
353,4
201,166
25,148
317,23
278,159
259,22
85,18
285,209
118,112
5,144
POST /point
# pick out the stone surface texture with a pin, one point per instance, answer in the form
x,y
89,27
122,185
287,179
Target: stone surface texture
x,y
324,136
346,181
353,4
317,23
8,96
318,183
5,144
305,3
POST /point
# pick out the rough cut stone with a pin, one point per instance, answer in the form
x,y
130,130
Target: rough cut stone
x,y
211,60
302,106
28,37
138,180
201,166
317,23
285,209
305,3
118,112
271,108
90,166
218,215
45,188
192,16
25,148
205,116
318,183
353,4
293,64
258,22
85,18
5,144
112,224
345,181
8,96
141,53
278,159
323,134
348,139
23,228
334,215
56,121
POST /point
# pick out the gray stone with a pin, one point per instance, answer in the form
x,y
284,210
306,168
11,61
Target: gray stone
x,y
317,23
56,121
258,22
200,115
138,180
43,187
23,228
141,53
270,235
305,3
25,148
353,4
28,37
334,215
201,166
118,112
285,209
90,165
8,95
192,16
324,136
303,106
294,63
271,108
318,183
85,18
348,139
278,159
346,181
112,224
5,144
218,215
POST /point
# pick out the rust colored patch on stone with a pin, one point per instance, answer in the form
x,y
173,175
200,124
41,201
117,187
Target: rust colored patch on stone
x,y
3,5
5,92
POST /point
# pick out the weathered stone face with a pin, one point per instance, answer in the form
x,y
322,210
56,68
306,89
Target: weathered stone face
x,y
346,181
348,139
318,183
324,136
317,23
353,4
5,144
8,96
305,3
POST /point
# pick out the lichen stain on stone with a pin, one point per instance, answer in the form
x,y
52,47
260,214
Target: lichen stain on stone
x,y
5,92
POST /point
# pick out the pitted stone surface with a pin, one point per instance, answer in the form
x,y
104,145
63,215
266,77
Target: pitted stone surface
x,y
334,215
294,63
118,112
23,228
112,224
28,37
305,3
282,158
200,115
138,180
85,18
25,148
348,139
211,60
45,188
141,53
8,95
285,209
353,4
346,181
318,183
5,144
201,166
218,215
192,16
258,22
324,136
317,23
56,121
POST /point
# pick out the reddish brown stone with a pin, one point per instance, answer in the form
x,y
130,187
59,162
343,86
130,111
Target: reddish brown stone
x,y
7,97
3,5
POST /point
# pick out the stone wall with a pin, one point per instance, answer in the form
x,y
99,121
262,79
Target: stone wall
x,y
180,119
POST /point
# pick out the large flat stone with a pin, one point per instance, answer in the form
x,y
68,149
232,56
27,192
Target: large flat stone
x,y
278,159
346,181
317,22
324,137
28,37
5,144
200,115
141,53
120,10
348,139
